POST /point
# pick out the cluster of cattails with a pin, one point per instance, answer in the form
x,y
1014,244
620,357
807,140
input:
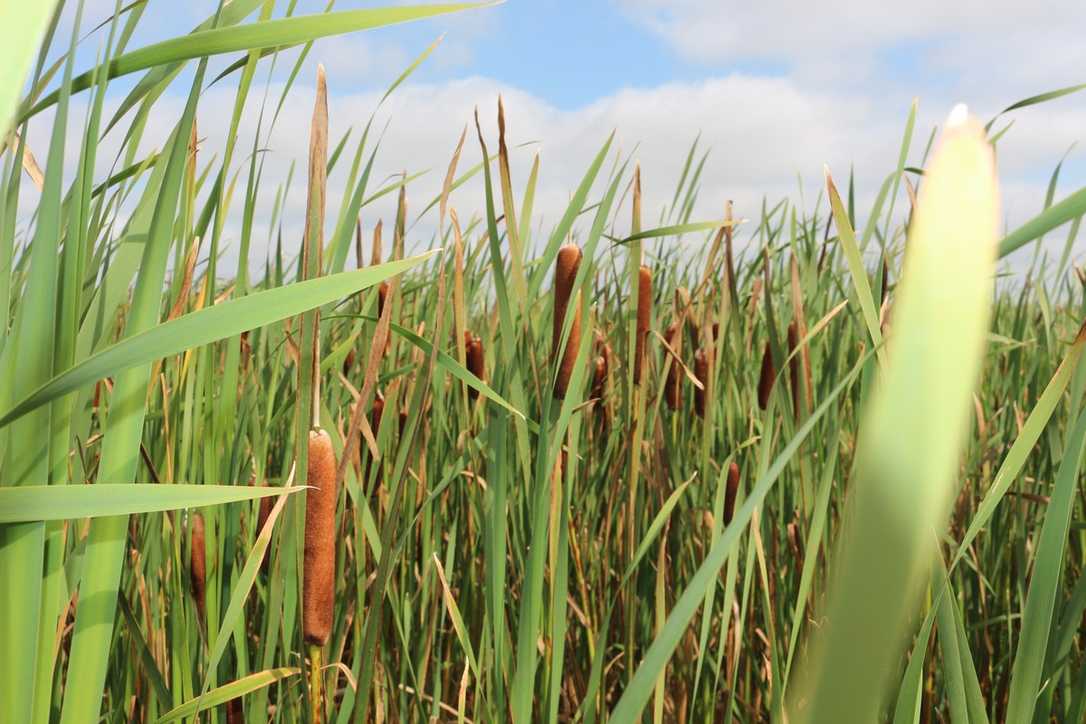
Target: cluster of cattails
x,y
198,563
476,359
566,266
319,572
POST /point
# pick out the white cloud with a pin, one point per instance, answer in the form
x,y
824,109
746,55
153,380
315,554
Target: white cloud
x,y
783,29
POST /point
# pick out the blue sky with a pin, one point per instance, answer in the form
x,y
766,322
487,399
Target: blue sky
x,y
776,89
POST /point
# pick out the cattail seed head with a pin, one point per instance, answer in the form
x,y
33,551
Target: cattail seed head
x,y
767,377
644,310
382,297
565,272
701,371
319,573
673,391
235,714
266,505
730,491
198,563
476,358
348,362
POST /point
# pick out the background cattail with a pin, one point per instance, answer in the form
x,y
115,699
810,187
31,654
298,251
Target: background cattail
x,y
319,573
701,371
793,368
476,360
382,297
266,505
767,377
376,413
730,492
348,362
673,391
198,563
565,272
644,309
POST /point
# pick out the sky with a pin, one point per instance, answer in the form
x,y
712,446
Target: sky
x,y
775,91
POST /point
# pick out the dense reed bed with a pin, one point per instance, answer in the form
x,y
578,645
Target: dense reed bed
x,y
798,463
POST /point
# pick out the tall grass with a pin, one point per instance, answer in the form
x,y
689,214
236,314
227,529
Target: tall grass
x,y
527,497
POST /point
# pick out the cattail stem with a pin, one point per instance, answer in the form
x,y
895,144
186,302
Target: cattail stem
x,y
793,370
644,311
316,684
673,391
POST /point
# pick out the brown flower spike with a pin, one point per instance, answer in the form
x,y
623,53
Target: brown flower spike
x,y
767,377
198,563
319,572
565,272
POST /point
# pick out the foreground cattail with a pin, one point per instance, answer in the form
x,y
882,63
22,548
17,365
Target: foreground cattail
x,y
793,368
644,309
235,714
476,358
198,563
565,272
701,371
767,377
673,391
730,492
319,573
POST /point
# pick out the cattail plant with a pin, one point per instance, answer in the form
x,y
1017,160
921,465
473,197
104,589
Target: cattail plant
x,y
673,391
319,571
644,310
767,377
198,563
701,371
476,359
601,368
730,491
348,362
266,505
565,272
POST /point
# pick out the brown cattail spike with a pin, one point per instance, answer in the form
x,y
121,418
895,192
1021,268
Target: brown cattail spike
x,y
701,371
319,573
565,272
644,310
767,377
266,505
198,563
730,492
476,360
793,368
673,391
